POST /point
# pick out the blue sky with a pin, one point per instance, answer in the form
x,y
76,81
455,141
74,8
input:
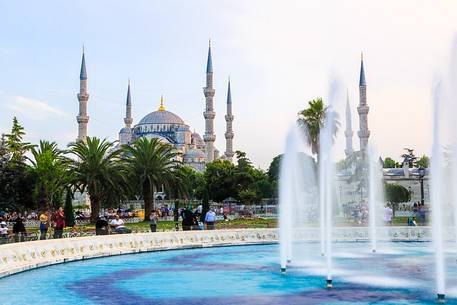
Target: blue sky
x,y
279,54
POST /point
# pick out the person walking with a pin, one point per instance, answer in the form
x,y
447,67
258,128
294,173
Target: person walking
x,y
153,220
58,223
210,219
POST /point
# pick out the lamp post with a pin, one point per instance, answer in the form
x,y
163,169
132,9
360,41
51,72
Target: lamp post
x,y
421,180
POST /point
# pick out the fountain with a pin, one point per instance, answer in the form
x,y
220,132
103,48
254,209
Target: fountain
x,y
375,195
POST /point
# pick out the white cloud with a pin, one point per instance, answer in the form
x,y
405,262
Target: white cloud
x,y
34,109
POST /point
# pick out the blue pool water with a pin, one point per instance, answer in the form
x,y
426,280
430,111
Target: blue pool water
x,y
401,273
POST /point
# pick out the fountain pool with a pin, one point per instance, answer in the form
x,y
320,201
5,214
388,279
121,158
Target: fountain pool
x,y
403,274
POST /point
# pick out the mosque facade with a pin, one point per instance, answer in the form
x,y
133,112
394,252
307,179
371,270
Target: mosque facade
x,y
166,126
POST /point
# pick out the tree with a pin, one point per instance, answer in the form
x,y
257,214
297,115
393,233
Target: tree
x,y
192,182
150,164
312,120
50,170
409,158
273,174
68,209
247,196
423,161
16,147
220,180
396,193
390,163
96,169
15,179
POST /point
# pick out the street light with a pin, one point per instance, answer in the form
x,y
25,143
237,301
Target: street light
x,y
421,172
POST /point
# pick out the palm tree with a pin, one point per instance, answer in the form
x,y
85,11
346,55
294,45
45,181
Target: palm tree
x,y
49,168
150,164
96,169
312,119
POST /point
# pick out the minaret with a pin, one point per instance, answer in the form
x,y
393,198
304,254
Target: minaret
x,y
128,109
348,133
83,97
209,137
229,132
363,109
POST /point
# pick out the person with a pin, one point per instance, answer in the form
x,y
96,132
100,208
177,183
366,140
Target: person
x,y
58,223
3,232
412,222
101,226
119,226
388,213
210,219
19,231
195,219
176,218
44,225
187,219
153,219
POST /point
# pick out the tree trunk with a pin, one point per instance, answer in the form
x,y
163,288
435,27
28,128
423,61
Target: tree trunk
x,y
43,205
148,199
94,208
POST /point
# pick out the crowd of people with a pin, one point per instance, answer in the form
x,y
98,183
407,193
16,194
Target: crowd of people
x,y
18,231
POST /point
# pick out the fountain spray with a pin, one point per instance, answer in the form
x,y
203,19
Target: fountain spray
x,y
436,197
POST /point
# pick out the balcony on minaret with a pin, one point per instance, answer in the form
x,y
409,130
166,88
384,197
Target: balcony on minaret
x,y
364,133
209,137
209,91
83,97
82,119
209,115
229,135
363,109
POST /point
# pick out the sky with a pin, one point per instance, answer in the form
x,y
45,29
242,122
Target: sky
x,y
278,54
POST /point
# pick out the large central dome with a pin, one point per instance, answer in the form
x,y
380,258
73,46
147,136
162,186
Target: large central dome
x,y
161,117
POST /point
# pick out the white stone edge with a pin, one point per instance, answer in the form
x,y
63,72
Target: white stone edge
x,y
19,257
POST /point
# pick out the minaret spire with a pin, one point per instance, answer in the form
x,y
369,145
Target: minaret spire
x,y
363,109
83,98
128,120
348,133
229,131
209,137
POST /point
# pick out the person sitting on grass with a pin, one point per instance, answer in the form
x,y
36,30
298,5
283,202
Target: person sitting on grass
x,y
119,226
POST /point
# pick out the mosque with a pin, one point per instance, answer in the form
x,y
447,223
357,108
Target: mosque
x,y
167,126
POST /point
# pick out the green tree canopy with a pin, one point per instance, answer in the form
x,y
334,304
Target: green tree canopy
x,y
390,163
312,119
396,193
16,146
50,170
96,169
423,161
151,164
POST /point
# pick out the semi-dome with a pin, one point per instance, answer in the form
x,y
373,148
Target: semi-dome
x,y
125,130
195,154
161,117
